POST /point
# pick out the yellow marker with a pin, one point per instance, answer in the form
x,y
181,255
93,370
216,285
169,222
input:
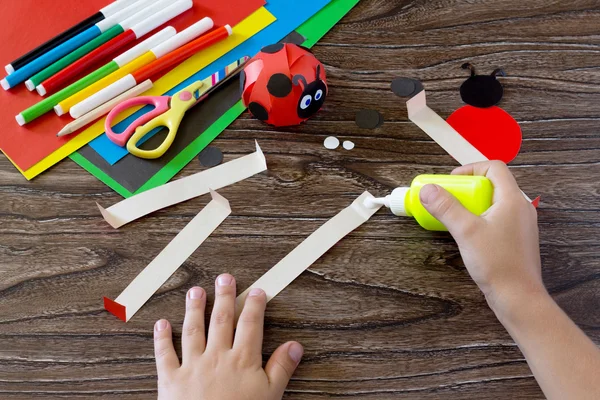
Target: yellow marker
x,y
474,192
64,106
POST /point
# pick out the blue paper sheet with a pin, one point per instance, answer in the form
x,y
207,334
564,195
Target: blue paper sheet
x,y
290,14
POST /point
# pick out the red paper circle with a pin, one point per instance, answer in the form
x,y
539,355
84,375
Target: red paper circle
x,y
491,130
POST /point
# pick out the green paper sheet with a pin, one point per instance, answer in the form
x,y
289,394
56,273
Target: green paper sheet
x,y
313,30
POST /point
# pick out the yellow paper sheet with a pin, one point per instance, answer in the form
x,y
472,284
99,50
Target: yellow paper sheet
x,y
243,31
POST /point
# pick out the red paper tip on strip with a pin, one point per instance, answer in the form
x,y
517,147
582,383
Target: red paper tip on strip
x,y
115,309
536,202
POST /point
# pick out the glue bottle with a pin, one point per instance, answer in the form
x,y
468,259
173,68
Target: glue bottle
x,y
474,192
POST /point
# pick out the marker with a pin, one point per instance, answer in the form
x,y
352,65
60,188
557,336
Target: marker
x,y
171,44
104,109
26,72
158,13
47,104
109,35
151,70
104,13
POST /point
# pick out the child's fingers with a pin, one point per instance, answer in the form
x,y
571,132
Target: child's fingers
x,y
282,364
448,210
164,352
249,333
193,337
220,331
497,172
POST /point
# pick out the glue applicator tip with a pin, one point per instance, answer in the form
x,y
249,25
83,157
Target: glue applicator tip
x,y
374,202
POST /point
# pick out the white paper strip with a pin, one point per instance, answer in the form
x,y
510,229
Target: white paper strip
x,y
170,259
184,189
311,249
444,134
441,132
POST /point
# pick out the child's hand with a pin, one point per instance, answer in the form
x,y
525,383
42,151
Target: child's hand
x,y
221,367
501,248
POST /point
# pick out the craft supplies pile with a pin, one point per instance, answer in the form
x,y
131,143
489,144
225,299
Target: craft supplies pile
x,y
100,91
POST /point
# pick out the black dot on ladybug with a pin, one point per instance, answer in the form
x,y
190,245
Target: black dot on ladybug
x,y
272,48
369,119
258,111
210,157
280,85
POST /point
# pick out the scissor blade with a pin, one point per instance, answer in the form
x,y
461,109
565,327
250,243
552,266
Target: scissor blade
x,y
218,79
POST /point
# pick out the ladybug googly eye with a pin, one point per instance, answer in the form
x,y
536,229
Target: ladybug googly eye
x,y
318,95
306,100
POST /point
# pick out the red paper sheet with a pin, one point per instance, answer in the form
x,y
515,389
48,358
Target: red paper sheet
x,y
25,24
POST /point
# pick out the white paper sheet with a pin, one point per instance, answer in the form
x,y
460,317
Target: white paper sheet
x,y
184,189
443,134
170,259
311,249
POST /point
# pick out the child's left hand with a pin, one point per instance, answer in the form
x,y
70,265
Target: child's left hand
x,y
222,368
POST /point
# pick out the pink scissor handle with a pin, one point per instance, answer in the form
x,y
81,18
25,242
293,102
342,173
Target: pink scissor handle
x,y
161,104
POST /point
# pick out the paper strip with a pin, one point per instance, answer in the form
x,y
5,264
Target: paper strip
x,y
445,135
170,259
311,249
441,132
184,189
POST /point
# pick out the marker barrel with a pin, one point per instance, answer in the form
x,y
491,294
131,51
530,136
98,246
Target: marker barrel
x,y
73,56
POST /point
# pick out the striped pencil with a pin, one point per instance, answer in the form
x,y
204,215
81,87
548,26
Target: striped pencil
x,y
104,108
104,13
47,104
21,75
173,43
158,13
151,70
109,35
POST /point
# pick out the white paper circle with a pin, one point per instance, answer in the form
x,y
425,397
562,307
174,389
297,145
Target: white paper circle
x,y
348,145
331,143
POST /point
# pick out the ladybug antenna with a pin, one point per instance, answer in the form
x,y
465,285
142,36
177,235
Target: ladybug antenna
x,y
498,72
299,78
318,72
469,67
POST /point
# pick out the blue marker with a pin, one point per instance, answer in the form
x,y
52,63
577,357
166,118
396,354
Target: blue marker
x,y
27,71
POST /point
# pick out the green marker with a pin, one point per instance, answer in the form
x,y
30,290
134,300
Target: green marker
x,y
48,104
72,57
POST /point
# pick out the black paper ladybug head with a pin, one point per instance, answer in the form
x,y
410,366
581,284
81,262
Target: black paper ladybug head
x,y
313,94
482,90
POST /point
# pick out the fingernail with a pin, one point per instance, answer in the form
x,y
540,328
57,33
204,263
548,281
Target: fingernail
x,y
429,193
295,352
224,280
196,293
255,292
161,325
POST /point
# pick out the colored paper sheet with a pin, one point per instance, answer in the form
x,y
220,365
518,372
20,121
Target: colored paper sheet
x,y
311,249
289,13
41,148
170,259
184,189
313,30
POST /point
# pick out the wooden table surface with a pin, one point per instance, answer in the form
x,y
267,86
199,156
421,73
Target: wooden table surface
x,y
390,312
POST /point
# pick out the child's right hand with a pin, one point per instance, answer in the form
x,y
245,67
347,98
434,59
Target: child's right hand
x,y
501,247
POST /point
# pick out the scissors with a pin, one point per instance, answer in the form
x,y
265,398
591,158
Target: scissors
x,y
168,112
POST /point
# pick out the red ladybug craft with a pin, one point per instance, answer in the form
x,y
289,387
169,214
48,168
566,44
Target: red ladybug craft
x,y
490,129
284,85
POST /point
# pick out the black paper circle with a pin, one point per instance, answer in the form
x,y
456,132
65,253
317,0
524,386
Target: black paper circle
x,y
369,119
406,87
210,157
